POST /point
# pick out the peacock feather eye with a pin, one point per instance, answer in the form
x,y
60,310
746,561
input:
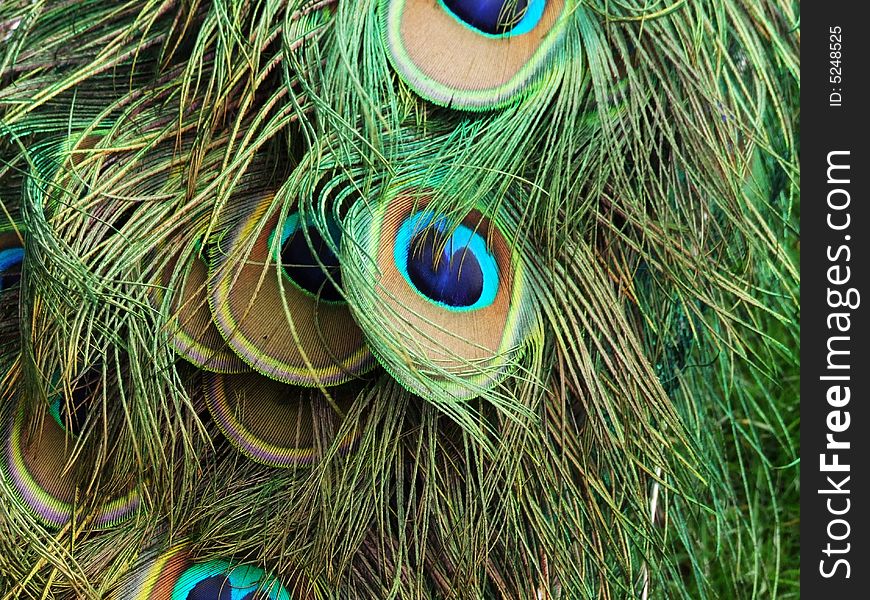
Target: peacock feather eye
x,y
275,301
175,575
445,305
220,580
36,464
472,54
307,259
270,422
192,331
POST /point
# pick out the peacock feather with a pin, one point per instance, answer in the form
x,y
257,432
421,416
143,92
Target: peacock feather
x,y
399,299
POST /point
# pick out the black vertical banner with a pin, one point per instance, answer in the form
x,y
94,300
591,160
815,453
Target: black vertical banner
x,y
835,298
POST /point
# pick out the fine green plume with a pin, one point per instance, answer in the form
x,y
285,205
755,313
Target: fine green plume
x,y
399,299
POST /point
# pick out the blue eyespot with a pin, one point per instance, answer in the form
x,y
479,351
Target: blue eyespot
x,y
10,267
219,580
216,587
456,270
497,17
442,272
307,262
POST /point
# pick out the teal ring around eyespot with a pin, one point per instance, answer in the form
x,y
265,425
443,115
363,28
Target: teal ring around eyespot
x,y
462,237
243,580
529,21
54,411
54,404
291,226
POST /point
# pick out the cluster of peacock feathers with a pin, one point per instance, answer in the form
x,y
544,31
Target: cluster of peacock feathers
x,y
371,299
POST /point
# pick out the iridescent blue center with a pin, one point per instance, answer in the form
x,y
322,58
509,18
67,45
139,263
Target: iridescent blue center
x,y
10,267
310,262
220,580
451,267
219,587
489,16
443,272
